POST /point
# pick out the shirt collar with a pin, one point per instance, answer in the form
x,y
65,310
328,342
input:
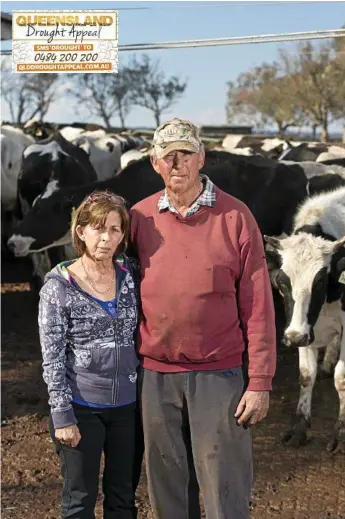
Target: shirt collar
x,y
207,197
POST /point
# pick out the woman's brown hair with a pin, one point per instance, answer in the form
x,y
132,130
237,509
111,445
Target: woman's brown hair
x,y
94,211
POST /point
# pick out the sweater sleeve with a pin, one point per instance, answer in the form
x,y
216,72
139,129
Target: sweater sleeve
x,y
53,325
256,309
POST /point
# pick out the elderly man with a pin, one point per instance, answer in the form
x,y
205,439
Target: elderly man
x,y
206,299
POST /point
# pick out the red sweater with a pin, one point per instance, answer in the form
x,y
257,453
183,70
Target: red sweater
x,y
205,290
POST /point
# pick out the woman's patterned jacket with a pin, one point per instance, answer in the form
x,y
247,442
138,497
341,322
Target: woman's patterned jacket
x,y
87,354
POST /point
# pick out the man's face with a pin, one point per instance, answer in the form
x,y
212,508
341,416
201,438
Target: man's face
x,y
179,169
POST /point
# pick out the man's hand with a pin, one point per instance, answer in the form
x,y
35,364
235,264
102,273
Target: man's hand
x,y
68,435
253,407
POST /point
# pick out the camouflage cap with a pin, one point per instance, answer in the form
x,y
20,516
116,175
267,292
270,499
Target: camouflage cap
x,y
176,134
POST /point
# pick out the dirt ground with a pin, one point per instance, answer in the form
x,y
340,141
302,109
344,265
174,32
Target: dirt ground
x,y
304,483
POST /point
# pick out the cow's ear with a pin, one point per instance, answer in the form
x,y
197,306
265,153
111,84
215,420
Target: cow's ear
x,y
274,278
38,132
338,244
274,262
273,259
274,242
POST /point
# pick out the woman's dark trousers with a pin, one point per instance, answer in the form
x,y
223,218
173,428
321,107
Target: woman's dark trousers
x,y
117,433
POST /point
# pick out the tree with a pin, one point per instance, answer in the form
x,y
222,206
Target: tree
x,y
13,91
238,111
121,94
103,95
339,61
305,87
44,91
151,89
317,82
263,94
28,94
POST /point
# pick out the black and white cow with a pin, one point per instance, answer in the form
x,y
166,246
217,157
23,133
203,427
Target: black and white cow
x,y
47,167
50,165
308,269
13,143
269,147
131,156
334,162
271,190
313,151
327,182
321,177
105,150
129,142
38,129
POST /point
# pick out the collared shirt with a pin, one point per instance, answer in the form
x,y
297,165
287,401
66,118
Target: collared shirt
x,y
207,197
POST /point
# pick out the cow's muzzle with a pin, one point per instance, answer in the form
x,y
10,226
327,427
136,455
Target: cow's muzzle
x,y
20,246
11,245
296,340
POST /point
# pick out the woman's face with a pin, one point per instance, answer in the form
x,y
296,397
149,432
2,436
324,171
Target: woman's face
x,y
102,242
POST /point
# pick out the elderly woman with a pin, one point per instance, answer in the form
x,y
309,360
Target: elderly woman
x,y
88,314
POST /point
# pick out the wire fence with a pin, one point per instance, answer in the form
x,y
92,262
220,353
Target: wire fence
x,y
237,40
233,40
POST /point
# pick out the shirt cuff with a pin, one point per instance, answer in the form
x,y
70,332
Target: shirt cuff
x,y
63,418
260,384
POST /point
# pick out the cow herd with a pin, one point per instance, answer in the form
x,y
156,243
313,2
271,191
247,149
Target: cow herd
x,y
296,191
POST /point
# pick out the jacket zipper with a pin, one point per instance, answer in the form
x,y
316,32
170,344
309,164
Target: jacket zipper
x,y
114,322
117,352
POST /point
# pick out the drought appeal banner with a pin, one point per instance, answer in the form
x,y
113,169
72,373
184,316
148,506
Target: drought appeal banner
x,y
64,41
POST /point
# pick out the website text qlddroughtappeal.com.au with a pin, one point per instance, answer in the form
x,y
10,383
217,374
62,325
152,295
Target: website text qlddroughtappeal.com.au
x,y
46,67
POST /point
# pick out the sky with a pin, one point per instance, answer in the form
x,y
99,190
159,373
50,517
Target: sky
x,y
207,70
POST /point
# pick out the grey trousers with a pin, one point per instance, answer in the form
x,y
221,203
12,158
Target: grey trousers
x,y
192,442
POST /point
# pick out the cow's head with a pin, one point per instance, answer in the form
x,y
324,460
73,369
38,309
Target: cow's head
x,y
46,225
273,148
39,130
299,267
52,165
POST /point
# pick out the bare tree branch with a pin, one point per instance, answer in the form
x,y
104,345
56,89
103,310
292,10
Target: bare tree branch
x,y
13,90
103,95
151,89
28,95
